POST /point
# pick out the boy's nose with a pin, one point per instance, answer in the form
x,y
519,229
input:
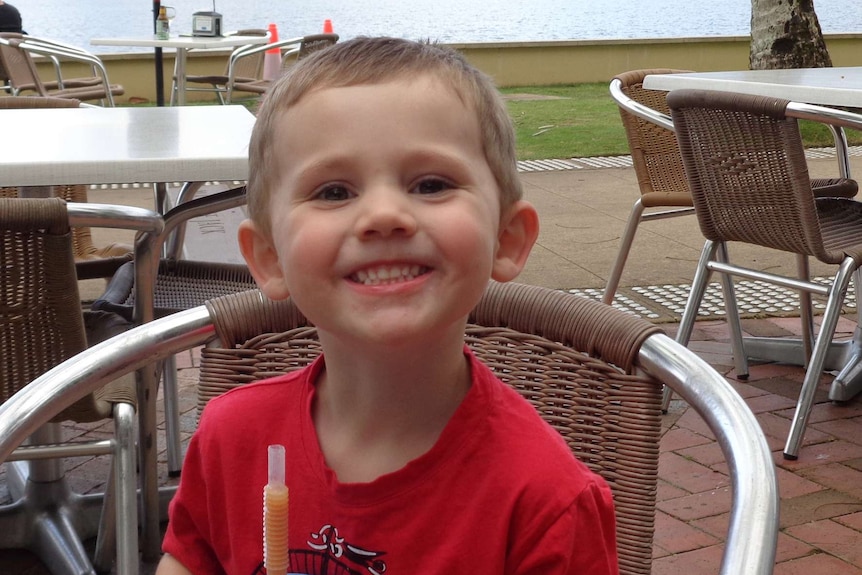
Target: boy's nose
x,y
386,213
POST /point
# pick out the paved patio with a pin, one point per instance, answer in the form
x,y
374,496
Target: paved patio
x,y
583,211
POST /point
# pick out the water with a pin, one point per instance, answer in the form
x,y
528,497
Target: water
x,y
452,21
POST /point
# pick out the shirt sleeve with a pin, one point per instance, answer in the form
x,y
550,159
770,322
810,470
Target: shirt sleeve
x,y
581,540
188,537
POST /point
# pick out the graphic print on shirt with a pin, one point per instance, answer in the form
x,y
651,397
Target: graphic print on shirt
x,y
330,554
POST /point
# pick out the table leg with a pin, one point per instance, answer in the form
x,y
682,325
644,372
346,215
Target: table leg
x,y
180,74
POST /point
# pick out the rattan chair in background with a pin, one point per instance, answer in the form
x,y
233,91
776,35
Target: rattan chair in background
x,y
91,261
655,157
746,168
41,325
244,70
662,181
292,49
594,372
16,57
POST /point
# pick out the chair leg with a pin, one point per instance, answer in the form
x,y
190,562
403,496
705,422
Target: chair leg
x,y
818,357
106,540
731,311
125,480
172,417
806,312
623,253
689,315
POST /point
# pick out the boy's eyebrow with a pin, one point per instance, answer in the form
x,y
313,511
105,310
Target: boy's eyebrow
x,y
319,166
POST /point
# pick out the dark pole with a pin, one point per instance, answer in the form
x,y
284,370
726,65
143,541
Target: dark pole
x,y
160,78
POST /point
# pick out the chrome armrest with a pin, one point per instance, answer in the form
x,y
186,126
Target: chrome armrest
x,y
638,109
753,529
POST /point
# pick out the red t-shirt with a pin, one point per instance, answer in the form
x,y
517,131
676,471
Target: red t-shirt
x,y
499,493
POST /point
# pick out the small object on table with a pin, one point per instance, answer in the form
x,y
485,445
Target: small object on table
x,y
276,558
163,25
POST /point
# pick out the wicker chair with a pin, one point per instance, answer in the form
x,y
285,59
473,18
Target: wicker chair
x,y
245,70
16,57
746,168
587,368
91,261
291,50
42,325
655,157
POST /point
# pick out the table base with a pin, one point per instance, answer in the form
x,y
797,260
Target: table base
x,y
845,356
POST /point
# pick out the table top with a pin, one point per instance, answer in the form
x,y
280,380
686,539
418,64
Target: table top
x,y
181,41
124,145
825,86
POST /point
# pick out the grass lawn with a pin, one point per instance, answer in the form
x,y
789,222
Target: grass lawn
x,y
579,121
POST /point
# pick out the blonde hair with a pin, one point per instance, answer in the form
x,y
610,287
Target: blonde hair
x,y
366,60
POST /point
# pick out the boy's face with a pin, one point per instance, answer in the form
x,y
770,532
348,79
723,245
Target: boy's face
x,y
386,218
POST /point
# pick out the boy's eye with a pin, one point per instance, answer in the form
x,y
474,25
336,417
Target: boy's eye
x,y
333,193
432,186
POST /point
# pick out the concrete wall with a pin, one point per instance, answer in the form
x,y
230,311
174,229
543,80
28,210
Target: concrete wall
x,y
517,64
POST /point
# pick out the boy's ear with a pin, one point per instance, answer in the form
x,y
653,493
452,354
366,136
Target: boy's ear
x,y
519,228
262,260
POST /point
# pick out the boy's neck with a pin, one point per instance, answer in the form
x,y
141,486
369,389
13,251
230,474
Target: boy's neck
x,y
377,410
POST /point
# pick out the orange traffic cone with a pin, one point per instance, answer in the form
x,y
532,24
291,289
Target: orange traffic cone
x,y
327,26
272,58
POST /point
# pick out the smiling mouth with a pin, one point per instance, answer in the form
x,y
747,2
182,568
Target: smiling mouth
x,y
393,274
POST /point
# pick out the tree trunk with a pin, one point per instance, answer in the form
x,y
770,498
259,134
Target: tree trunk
x,y
786,34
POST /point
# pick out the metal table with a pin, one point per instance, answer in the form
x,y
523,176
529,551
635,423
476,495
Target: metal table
x,y
182,44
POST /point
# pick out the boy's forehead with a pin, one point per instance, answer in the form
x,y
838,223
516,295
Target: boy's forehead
x,y
433,79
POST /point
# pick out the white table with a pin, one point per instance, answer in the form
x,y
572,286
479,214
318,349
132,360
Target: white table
x,y
182,44
125,145
822,86
189,144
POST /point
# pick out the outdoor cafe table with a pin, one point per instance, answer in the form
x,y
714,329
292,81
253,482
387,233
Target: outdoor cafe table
x,y
823,86
191,144
826,87
182,44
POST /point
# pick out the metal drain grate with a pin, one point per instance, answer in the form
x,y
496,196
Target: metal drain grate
x,y
626,161
753,298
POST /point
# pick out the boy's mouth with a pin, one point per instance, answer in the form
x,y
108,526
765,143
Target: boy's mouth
x,y
388,274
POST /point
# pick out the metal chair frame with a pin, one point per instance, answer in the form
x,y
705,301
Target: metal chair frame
x,y
246,70
290,48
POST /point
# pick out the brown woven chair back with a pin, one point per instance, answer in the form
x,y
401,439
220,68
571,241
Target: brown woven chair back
x,y
747,171
654,151
314,42
570,357
91,261
20,69
41,323
38,102
251,67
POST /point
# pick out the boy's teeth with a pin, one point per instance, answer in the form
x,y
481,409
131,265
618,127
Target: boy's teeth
x,y
387,274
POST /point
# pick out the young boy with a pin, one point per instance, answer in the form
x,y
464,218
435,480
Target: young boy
x,y
383,196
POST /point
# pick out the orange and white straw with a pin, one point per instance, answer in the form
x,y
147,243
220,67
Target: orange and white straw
x,y
276,558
